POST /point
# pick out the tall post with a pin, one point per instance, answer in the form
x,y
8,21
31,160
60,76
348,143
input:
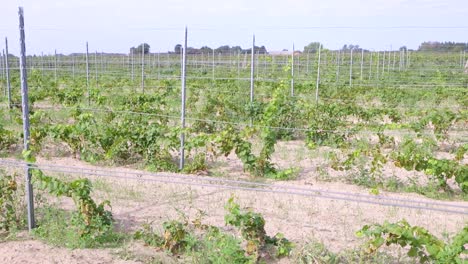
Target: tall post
x,y
318,75
362,61
383,63
7,68
307,64
244,63
96,68
370,65
25,109
143,69
399,64
159,64
168,59
73,66
338,62
182,112
133,66
464,57
87,73
257,60
252,72
403,57
2,64
394,60
407,59
378,64
128,60
351,69
408,63
181,59
389,61
292,71
102,62
213,66
55,65
461,59
238,64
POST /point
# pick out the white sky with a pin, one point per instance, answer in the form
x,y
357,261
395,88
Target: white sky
x,y
116,25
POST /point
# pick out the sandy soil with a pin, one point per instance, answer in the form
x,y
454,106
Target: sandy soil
x,y
32,251
138,197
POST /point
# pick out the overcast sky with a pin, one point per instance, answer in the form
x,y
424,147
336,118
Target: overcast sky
x,y
116,25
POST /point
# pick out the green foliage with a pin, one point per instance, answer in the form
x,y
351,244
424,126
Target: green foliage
x,y
10,203
38,121
441,121
208,244
327,125
219,247
175,239
69,96
250,224
315,252
280,112
259,166
91,220
460,152
252,228
56,227
414,156
422,244
7,138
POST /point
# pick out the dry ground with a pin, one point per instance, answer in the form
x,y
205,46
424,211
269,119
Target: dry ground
x,y
138,197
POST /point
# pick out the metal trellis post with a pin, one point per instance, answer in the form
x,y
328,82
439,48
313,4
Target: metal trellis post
x,y
87,74
182,112
7,70
25,109
318,75
292,71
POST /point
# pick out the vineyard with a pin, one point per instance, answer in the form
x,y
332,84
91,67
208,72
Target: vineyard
x,y
320,157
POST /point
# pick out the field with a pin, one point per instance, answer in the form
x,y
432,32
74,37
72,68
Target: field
x,y
342,159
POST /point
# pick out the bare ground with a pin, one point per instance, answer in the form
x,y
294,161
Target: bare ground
x,y
138,198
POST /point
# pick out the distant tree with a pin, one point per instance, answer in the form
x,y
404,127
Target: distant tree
x,y
206,49
262,50
312,47
178,48
403,48
223,49
144,47
350,47
442,46
236,49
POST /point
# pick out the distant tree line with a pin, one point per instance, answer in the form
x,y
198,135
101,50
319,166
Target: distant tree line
x,y
443,46
225,49
310,48
314,46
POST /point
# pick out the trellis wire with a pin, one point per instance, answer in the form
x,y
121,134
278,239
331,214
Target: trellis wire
x,y
249,186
